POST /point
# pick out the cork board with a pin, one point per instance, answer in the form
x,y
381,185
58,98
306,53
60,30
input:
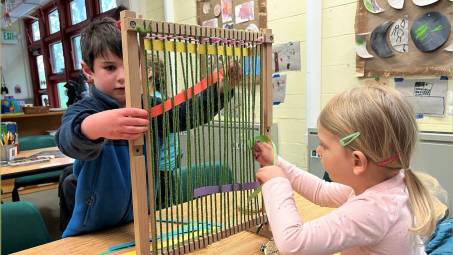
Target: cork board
x,y
215,10
413,62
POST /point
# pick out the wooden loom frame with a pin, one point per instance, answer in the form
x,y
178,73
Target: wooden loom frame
x,y
132,43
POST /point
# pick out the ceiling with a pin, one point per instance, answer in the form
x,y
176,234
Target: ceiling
x,y
20,8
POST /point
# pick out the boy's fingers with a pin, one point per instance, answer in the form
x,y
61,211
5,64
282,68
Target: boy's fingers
x,y
136,122
135,112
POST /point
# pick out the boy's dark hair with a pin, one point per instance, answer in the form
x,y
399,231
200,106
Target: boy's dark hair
x,y
158,68
99,38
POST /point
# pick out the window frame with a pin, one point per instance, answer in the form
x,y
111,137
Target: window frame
x,y
65,35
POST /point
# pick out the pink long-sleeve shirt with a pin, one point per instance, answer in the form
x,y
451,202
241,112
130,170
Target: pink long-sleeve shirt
x,y
374,222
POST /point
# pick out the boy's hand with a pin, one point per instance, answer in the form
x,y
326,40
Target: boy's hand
x,y
234,75
118,124
264,153
269,172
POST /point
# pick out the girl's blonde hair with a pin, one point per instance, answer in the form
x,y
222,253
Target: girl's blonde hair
x,y
387,127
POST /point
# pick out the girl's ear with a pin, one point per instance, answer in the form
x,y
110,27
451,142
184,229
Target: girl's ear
x,y
87,73
360,162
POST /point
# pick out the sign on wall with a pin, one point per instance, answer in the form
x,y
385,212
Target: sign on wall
x,y
9,37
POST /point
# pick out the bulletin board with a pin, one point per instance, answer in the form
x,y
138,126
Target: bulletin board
x,y
411,62
235,14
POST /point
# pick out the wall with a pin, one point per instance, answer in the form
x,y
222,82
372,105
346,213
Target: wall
x,y
15,64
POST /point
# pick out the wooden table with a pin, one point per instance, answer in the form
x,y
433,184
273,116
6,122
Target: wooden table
x,y
8,172
242,243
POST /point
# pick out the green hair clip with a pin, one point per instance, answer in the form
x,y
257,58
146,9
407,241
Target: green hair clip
x,y
349,138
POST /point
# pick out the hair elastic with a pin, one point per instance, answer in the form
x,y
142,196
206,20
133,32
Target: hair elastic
x,y
385,162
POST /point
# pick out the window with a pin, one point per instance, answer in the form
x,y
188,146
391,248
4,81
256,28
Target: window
x,y
56,57
55,46
76,52
54,22
41,72
107,5
35,31
62,94
78,11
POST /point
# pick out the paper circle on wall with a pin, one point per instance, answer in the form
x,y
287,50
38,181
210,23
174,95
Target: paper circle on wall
x,y
206,7
217,10
397,4
379,40
424,2
252,27
430,31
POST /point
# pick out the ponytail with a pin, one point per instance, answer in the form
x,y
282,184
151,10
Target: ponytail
x,y
421,205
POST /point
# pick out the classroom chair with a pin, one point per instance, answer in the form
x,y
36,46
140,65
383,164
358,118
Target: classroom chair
x,y
31,143
22,227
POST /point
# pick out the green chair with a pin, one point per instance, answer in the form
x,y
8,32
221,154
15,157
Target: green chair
x,y
202,175
31,143
22,227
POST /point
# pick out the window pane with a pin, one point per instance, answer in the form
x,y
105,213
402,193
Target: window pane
x,y
57,58
45,100
62,94
107,5
77,52
78,11
54,22
41,72
35,31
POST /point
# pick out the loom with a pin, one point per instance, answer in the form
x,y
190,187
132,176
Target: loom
x,y
207,196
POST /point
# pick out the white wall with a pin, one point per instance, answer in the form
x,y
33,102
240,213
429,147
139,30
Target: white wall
x,y
15,64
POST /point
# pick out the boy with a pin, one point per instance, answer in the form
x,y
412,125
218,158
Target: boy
x,y
95,131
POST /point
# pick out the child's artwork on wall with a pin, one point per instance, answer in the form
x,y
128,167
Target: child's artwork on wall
x,y
286,57
427,96
237,14
406,38
227,10
278,88
430,31
211,23
399,35
360,46
244,12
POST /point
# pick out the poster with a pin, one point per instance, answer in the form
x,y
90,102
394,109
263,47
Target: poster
x,y
244,12
278,88
427,96
286,57
210,23
227,10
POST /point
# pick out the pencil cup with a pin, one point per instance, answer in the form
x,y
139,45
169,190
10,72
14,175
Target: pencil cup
x,y
8,152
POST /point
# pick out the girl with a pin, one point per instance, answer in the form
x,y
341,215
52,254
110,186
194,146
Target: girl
x,y
367,136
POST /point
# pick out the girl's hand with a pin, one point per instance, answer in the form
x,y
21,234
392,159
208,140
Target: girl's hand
x,y
269,172
264,153
117,124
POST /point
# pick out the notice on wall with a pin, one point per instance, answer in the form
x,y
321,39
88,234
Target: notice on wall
x,y
427,96
278,88
286,57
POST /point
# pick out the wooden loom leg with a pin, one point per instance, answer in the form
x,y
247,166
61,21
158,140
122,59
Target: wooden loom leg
x,y
266,124
137,159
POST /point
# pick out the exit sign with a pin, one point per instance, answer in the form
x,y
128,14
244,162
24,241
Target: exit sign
x,y
9,37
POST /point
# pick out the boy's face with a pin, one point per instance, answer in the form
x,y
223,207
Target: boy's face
x,y
108,76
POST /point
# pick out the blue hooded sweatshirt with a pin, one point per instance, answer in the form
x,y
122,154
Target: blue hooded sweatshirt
x,y
103,196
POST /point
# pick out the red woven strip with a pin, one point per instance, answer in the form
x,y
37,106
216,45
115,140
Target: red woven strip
x,y
181,96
